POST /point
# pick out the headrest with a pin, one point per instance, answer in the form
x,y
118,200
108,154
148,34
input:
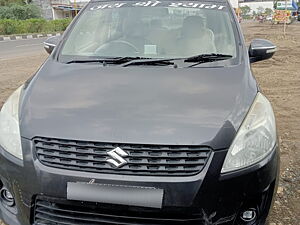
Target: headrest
x,y
192,26
133,28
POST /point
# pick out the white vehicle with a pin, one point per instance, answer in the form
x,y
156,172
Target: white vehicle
x,y
269,18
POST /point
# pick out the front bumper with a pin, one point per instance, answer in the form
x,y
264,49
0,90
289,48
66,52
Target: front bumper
x,y
215,198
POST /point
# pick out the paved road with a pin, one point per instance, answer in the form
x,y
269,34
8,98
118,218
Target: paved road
x,y
14,49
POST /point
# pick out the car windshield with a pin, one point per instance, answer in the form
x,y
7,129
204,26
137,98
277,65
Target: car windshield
x,y
151,29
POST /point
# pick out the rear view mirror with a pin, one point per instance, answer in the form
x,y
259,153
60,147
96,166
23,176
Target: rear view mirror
x,y
261,49
51,43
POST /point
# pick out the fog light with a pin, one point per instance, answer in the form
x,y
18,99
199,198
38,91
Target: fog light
x,y
248,215
7,197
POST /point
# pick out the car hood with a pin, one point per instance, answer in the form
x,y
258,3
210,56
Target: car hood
x,y
149,105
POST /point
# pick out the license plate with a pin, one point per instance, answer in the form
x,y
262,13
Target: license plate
x,y
115,194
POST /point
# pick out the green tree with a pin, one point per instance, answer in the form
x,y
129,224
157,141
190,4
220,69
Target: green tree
x,y
268,11
9,26
20,12
275,4
6,13
260,10
245,10
9,2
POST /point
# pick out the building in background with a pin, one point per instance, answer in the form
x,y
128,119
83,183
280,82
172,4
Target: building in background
x,y
59,9
234,3
45,5
66,8
256,4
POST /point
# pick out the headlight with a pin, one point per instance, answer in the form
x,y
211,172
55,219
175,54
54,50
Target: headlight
x,y
10,138
255,139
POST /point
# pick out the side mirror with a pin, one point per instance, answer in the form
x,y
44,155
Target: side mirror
x,y
261,49
51,43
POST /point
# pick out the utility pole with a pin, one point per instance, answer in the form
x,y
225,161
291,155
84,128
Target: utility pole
x,y
75,6
285,18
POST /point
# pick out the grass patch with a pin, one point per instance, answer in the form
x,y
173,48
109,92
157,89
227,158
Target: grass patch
x,y
9,26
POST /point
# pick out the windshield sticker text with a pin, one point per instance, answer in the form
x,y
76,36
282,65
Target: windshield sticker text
x,y
158,3
197,5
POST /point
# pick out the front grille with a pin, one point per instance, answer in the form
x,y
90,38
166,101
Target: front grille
x,y
155,160
55,211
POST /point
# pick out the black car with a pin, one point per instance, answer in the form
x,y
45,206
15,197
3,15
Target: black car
x,y
146,112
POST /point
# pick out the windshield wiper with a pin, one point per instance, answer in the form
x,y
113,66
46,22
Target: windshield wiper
x,y
106,60
128,60
150,61
204,58
168,61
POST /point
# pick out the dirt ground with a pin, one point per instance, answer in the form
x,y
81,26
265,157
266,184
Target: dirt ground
x,y
279,79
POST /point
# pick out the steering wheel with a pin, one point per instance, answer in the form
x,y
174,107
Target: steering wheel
x,y
117,44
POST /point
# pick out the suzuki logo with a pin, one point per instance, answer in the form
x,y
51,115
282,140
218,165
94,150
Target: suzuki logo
x,y
117,155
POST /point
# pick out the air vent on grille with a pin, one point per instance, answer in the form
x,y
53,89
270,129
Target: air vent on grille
x,y
142,159
75,213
